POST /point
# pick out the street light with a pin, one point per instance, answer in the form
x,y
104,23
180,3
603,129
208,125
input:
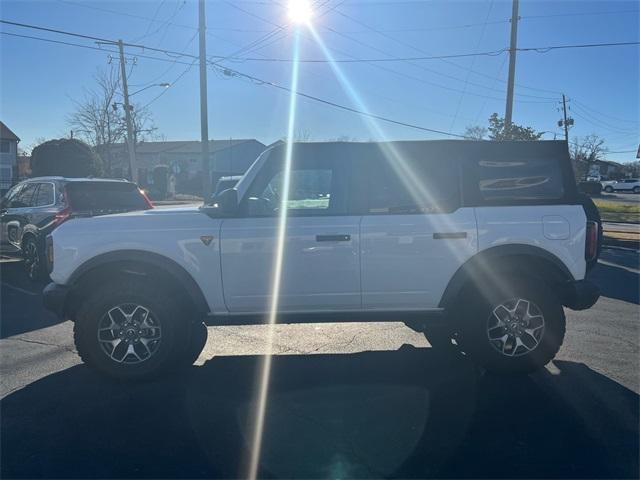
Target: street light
x,y
164,85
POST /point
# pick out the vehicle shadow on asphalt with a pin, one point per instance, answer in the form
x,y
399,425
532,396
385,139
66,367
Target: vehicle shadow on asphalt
x,y
617,282
408,413
21,308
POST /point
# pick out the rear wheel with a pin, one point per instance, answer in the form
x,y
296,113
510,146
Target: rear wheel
x,y
131,329
518,328
608,189
636,189
33,260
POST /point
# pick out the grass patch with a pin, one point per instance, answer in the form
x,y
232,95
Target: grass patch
x,y
618,211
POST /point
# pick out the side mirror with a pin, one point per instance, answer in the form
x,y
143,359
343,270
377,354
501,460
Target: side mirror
x,y
226,202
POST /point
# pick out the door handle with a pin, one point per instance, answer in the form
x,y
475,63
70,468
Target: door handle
x,y
333,238
449,235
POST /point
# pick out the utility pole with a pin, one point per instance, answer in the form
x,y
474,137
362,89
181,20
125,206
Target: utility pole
x,y
204,116
127,115
512,64
566,122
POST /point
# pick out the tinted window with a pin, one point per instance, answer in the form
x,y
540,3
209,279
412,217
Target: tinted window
x,y
104,197
11,195
315,188
44,195
406,185
525,179
25,197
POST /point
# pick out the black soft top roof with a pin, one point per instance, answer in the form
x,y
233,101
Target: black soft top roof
x,y
462,149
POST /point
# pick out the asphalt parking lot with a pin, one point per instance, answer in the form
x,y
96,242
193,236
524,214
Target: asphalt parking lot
x,y
345,400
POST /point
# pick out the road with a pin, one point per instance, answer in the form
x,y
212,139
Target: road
x,y
345,400
621,197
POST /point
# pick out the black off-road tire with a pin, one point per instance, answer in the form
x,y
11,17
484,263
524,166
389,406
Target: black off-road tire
x,y
474,318
197,340
166,311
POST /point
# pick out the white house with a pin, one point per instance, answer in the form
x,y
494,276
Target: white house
x,y
8,157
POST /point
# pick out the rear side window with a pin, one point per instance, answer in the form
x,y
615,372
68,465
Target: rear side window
x,y
520,180
45,195
404,186
104,197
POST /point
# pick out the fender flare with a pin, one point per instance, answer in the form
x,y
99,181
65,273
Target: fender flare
x,y
499,256
167,265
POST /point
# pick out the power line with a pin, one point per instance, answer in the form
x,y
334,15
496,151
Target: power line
x,y
448,62
232,72
490,53
334,104
473,62
603,114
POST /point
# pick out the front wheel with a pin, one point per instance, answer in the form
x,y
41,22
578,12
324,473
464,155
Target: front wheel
x,y
131,329
33,263
608,189
516,327
636,189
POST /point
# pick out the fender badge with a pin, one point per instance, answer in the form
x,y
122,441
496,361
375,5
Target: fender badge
x,y
206,239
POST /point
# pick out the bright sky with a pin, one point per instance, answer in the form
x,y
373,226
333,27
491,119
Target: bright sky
x,y
40,81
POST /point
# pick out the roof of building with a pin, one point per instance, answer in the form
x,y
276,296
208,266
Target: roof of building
x,y
609,162
187,146
7,134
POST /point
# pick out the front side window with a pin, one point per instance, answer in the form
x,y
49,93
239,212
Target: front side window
x,y
315,188
25,197
520,180
412,185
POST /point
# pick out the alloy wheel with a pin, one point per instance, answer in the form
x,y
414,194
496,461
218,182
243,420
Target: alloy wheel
x,y
31,259
129,333
515,327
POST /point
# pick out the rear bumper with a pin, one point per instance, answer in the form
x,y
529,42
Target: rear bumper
x,y
580,295
54,298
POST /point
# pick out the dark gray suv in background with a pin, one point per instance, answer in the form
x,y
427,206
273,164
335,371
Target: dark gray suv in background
x,y
33,208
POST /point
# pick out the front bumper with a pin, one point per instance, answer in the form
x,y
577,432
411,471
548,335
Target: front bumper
x,y
54,298
580,295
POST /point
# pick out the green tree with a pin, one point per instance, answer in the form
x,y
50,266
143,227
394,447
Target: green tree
x,y
65,157
497,130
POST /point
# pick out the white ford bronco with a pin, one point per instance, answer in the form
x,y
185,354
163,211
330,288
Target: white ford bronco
x,y
491,239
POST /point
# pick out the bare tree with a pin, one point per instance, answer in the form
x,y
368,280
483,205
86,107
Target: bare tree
x,y
586,151
99,119
475,133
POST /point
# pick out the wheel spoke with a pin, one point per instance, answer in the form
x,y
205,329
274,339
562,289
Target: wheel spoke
x,y
129,333
515,327
501,314
522,308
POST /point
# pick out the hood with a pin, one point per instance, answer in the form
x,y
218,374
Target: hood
x,y
129,223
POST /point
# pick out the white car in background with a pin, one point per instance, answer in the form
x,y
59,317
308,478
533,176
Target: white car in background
x,y
626,185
